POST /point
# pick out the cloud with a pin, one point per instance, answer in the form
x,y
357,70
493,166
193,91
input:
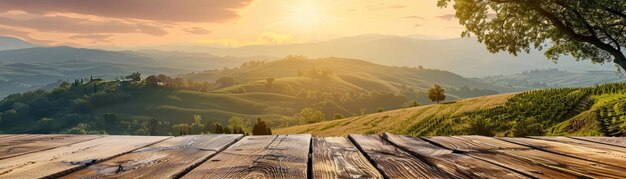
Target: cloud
x,y
197,30
383,7
447,17
65,24
24,35
154,10
106,38
414,17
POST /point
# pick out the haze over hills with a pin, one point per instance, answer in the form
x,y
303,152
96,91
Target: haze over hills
x,y
357,75
464,56
28,68
344,91
554,78
8,43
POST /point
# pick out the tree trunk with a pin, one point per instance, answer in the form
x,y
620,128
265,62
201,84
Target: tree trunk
x,y
620,59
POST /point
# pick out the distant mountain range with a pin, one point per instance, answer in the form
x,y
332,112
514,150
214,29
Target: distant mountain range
x,y
464,56
351,75
25,67
554,78
8,43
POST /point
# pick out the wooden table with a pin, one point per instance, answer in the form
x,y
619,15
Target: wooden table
x,y
304,156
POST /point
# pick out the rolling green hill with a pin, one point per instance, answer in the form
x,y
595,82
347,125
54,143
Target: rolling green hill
x,y
177,106
598,110
329,88
347,75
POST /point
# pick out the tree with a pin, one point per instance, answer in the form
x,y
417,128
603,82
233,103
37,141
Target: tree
x,y
415,104
152,80
196,126
436,94
110,120
134,76
309,116
238,123
585,29
219,129
153,127
183,129
261,128
527,127
338,116
225,81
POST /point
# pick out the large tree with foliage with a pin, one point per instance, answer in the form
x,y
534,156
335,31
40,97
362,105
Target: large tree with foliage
x,y
584,29
261,128
436,94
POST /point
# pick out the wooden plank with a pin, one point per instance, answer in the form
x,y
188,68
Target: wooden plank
x,y
393,162
337,157
474,143
282,156
524,159
458,165
608,157
583,143
62,160
9,138
167,159
33,143
615,141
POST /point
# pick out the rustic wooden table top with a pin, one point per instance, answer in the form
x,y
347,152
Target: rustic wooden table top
x,y
303,156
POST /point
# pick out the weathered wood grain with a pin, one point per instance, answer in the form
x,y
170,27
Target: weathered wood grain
x,y
615,158
393,162
61,160
166,159
458,165
615,141
10,138
25,144
337,157
282,156
583,143
524,159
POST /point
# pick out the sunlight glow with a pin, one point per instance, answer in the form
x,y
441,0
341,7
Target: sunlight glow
x,y
306,15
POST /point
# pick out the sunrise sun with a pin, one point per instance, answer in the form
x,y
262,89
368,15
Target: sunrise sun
x,y
306,15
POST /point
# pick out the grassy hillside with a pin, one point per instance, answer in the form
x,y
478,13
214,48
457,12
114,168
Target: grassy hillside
x,y
347,75
395,121
598,110
177,106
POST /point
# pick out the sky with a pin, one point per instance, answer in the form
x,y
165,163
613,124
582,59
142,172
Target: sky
x,y
227,23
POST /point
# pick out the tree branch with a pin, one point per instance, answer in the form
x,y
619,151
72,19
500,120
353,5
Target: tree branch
x,y
615,12
617,54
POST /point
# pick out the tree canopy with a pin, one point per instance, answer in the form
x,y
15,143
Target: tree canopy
x,y
584,29
436,94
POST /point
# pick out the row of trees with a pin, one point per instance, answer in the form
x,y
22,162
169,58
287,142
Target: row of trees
x,y
236,125
178,83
